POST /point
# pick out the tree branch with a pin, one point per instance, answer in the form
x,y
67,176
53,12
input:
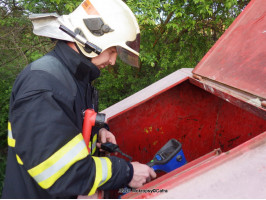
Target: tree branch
x,y
162,28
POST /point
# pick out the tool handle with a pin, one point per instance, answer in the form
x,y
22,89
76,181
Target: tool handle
x,y
88,123
111,148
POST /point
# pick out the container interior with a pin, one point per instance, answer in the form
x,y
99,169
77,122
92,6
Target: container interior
x,y
199,120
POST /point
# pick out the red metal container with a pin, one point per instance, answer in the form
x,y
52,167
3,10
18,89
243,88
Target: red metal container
x,y
216,111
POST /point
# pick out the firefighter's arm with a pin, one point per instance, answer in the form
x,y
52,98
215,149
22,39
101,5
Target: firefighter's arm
x,y
52,150
139,173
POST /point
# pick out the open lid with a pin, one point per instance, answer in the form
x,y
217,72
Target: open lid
x,y
238,58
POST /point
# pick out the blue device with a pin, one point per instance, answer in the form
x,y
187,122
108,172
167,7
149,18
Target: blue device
x,y
169,157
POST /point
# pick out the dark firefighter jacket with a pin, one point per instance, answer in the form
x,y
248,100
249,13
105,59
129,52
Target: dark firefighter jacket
x,y
47,156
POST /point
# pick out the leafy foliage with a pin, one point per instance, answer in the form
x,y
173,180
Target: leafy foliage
x,y
174,34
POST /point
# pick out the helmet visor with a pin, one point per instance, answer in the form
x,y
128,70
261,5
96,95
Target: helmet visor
x,y
128,56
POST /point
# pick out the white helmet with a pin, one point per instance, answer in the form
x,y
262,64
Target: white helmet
x,y
104,23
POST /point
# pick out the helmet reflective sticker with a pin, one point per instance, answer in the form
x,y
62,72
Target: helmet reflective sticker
x,y
97,26
89,8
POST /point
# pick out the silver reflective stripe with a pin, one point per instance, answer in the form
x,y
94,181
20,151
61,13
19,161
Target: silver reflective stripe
x,y
93,146
68,157
10,139
10,135
104,170
103,167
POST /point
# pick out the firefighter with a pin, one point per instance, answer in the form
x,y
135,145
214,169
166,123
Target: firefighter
x,y
47,155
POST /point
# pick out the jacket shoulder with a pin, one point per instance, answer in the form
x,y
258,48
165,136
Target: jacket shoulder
x,y
54,67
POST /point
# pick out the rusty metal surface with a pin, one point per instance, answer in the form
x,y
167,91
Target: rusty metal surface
x,y
238,59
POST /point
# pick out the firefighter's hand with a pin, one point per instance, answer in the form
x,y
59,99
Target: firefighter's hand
x,y
105,136
142,174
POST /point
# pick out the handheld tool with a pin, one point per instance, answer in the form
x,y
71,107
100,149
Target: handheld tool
x,y
91,118
111,148
169,157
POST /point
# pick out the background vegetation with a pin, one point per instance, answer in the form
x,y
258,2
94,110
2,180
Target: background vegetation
x,y
174,34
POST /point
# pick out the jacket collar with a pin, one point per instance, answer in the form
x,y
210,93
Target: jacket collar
x,y
78,64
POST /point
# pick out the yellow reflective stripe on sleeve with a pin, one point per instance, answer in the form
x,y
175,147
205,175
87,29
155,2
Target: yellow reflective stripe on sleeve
x,y
9,126
49,171
19,160
90,144
93,146
108,164
103,167
10,140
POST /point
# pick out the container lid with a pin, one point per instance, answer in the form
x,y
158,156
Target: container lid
x,y
238,58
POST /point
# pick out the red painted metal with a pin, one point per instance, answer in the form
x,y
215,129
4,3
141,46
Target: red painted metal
x,y
235,97
147,93
204,168
164,181
199,120
238,59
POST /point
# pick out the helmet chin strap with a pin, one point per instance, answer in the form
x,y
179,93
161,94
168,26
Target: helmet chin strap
x,y
80,52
